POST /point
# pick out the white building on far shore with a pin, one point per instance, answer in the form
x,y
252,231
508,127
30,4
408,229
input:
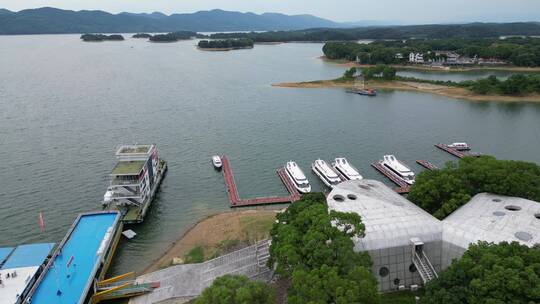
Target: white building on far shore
x,y
416,57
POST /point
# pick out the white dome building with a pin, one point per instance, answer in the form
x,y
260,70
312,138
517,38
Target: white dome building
x,y
409,246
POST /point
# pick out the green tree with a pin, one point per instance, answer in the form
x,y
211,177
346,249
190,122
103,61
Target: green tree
x,y
442,191
326,285
231,289
491,274
389,73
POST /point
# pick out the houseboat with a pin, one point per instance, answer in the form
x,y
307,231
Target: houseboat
x,y
398,168
82,258
135,181
346,169
365,92
297,177
327,175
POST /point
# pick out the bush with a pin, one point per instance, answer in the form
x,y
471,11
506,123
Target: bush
x,y
234,289
488,273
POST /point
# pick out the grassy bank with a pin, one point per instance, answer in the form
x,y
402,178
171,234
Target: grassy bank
x,y
217,235
442,90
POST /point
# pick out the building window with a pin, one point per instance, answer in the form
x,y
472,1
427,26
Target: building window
x,y
338,198
512,208
412,268
352,197
396,281
383,272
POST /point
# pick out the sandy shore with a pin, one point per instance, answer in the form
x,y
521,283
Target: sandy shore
x,y
452,92
349,64
247,226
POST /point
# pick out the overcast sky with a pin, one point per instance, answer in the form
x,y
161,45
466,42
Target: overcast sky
x,y
404,11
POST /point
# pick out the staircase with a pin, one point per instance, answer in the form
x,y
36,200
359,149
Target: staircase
x,y
426,270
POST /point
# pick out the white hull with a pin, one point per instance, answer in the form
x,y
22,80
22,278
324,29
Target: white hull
x,y
300,189
346,169
216,161
409,182
323,177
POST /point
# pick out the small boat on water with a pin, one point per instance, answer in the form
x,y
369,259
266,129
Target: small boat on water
x,y
460,146
366,92
327,175
346,169
216,161
398,168
297,176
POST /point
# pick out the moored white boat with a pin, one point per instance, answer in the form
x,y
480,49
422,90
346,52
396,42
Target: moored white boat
x,y
297,177
398,168
346,169
216,161
460,146
327,175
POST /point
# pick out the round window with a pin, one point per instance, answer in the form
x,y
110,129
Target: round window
x,y
537,216
338,198
383,272
396,281
512,208
352,197
497,200
412,268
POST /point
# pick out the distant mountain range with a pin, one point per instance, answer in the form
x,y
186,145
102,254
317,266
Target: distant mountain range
x,y
49,20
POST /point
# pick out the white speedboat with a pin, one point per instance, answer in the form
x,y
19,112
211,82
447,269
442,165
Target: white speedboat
x,y
107,198
460,146
346,169
328,176
216,161
297,176
399,169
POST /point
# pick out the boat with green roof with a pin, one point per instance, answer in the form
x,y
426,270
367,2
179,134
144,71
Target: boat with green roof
x,y
135,181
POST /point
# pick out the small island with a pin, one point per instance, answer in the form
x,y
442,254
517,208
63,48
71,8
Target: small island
x,y
101,37
173,36
517,88
225,44
141,35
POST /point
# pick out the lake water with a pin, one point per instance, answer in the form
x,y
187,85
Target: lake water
x,y
66,105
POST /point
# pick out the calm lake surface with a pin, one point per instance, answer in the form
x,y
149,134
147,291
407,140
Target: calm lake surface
x,y
66,105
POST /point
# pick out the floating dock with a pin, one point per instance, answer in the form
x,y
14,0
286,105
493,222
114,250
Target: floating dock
x,y
236,201
403,186
452,151
427,165
82,257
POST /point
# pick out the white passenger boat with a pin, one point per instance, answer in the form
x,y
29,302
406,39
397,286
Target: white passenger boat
x,y
399,169
328,176
108,196
216,160
297,177
460,146
346,169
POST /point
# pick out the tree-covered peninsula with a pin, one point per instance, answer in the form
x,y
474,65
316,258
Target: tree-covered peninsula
x,y
101,37
173,36
142,35
225,44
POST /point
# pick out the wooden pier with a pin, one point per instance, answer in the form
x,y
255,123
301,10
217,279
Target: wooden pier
x,y
236,201
450,150
403,186
427,165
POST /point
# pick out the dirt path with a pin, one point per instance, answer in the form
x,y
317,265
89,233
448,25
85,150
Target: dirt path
x,y
245,226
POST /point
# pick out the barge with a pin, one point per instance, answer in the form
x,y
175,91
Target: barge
x,y
82,257
134,181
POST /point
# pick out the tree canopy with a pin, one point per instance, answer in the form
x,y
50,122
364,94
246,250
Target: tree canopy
x,y
173,36
101,37
319,256
441,192
519,51
234,289
226,43
492,274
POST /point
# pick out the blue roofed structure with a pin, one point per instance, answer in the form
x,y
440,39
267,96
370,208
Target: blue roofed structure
x,y
19,269
4,254
28,255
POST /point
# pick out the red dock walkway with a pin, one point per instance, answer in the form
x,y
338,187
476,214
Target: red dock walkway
x,y
452,151
403,186
235,199
427,165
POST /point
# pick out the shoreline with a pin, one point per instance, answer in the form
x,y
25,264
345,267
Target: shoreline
x,y
224,49
350,64
452,92
210,232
